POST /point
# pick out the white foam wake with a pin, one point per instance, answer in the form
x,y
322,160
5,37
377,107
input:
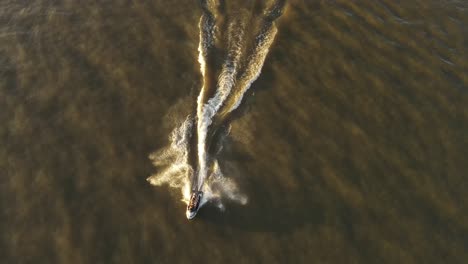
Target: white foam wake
x,y
226,81
215,103
174,161
177,172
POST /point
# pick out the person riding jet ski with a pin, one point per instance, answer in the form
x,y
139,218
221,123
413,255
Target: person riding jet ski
x,y
194,204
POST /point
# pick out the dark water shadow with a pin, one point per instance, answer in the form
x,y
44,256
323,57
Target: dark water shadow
x,y
270,208
259,216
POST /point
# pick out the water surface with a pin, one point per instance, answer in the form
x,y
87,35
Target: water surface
x,y
351,147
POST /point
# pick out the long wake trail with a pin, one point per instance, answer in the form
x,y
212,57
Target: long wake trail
x,y
234,42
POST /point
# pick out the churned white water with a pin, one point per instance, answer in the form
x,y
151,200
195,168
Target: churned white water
x,y
216,103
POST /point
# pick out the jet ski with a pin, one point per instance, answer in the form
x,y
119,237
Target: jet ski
x,y
194,204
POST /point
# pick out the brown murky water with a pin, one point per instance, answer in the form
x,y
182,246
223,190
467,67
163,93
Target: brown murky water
x,y
353,147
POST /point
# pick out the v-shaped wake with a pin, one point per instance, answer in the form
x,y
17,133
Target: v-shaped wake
x,y
234,42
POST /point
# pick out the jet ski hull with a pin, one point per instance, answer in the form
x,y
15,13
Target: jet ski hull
x,y
191,215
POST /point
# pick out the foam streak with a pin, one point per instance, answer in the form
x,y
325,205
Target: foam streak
x,y
228,33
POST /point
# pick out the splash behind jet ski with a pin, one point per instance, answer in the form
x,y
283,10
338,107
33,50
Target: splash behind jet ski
x,y
194,204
